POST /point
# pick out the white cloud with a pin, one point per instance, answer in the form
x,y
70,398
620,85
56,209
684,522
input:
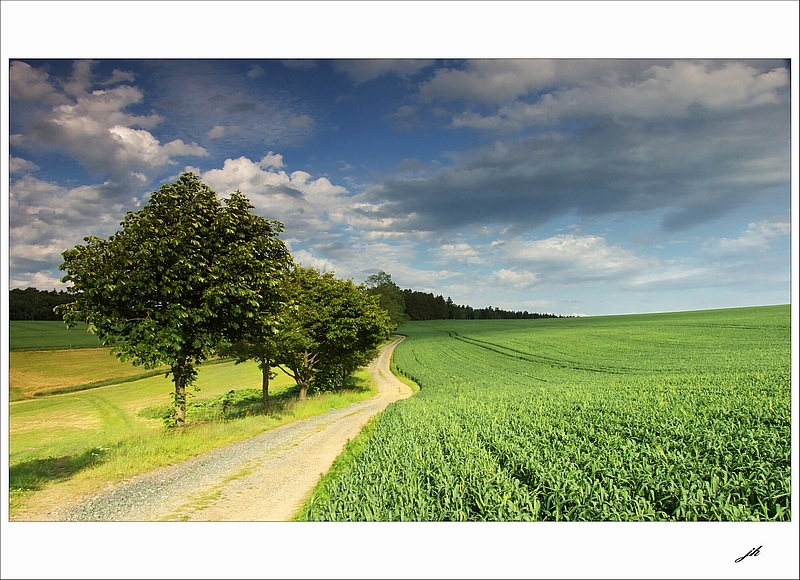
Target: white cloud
x,y
744,261
308,260
19,165
573,258
216,132
46,219
42,280
489,81
459,252
756,239
576,89
272,160
516,279
94,126
300,201
673,277
304,123
30,84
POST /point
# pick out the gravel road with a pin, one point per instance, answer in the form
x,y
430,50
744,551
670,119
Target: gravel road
x,y
264,478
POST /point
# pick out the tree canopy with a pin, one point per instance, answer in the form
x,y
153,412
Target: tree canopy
x,y
391,297
184,274
334,327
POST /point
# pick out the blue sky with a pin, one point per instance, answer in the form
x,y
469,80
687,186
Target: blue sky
x,y
568,185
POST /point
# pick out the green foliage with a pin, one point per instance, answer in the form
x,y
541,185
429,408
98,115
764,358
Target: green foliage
x,y
33,304
391,297
183,275
333,328
669,417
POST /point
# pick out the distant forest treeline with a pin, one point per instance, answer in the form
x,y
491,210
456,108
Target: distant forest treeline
x,y
426,306
34,304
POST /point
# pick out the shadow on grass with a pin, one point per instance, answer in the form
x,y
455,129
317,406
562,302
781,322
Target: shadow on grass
x,y
35,474
237,404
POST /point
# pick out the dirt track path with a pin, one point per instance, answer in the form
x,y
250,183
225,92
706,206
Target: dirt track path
x,y
293,464
264,478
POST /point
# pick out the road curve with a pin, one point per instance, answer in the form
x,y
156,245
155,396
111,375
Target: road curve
x,y
264,478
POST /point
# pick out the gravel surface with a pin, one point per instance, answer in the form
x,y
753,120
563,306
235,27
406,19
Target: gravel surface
x,y
264,478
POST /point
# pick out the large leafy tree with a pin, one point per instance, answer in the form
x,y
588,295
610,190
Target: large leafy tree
x,y
185,274
334,327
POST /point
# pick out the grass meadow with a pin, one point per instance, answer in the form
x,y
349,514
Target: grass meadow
x,y
79,418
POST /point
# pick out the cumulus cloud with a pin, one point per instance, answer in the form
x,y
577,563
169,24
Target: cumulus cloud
x,y
45,219
308,260
297,199
756,239
95,126
19,165
41,279
216,132
570,259
516,279
26,83
459,252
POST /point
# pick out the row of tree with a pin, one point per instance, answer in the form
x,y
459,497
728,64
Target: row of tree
x,y
401,305
34,304
190,277
405,305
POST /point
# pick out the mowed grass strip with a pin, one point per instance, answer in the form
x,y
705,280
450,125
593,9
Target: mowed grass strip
x,y
34,373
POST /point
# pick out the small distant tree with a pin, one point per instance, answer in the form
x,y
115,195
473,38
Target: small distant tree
x,y
391,297
335,327
183,275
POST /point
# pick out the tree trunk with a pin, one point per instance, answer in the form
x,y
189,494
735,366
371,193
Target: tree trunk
x,y
265,386
179,377
308,365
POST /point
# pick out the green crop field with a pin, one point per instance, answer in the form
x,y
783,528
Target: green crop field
x,y
661,417
48,334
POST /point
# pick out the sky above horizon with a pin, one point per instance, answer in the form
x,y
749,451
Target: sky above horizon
x,y
560,181
567,186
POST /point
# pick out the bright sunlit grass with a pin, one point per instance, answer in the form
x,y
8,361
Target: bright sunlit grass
x,y
72,443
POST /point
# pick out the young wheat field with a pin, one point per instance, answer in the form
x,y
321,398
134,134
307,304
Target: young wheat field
x,y
661,417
